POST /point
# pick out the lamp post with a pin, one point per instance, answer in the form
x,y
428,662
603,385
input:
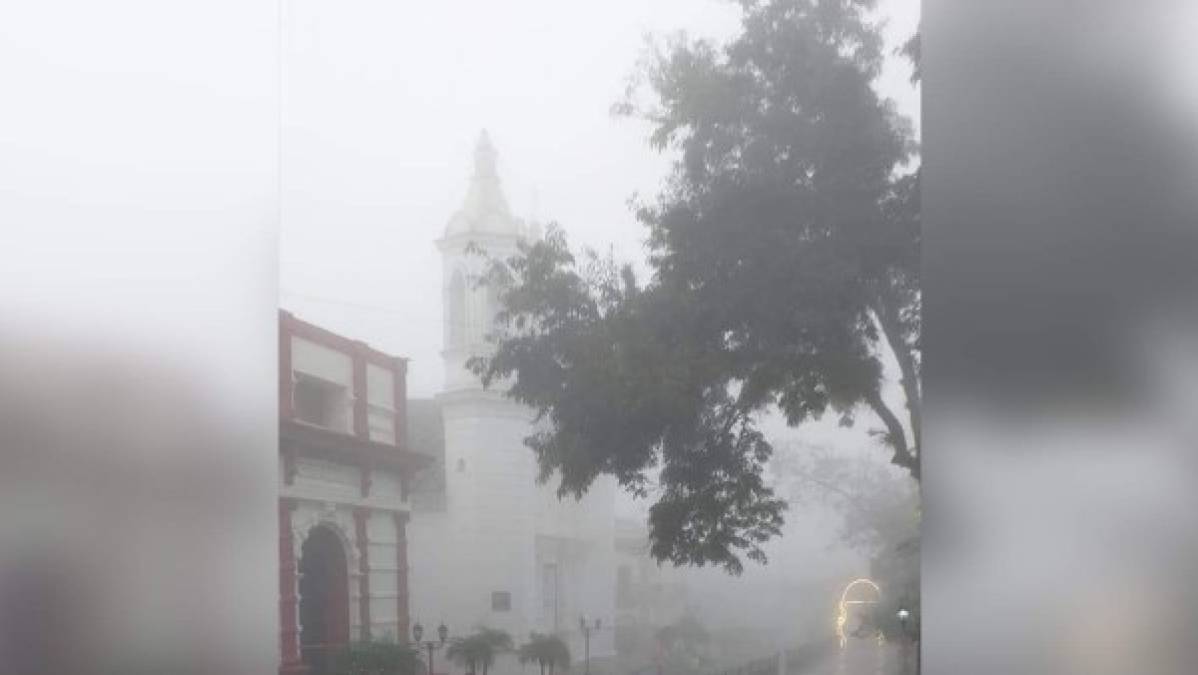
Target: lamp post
x,y
442,633
586,639
904,616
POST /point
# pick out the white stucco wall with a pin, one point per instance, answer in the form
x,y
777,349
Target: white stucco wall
x,y
500,527
484,543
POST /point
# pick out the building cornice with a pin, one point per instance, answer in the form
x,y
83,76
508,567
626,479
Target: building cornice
x,y
306,440
458,242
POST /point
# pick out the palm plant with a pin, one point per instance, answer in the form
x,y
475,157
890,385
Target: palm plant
x,y
479,649
545,650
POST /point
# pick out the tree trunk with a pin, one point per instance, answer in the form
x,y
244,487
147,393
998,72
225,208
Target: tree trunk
x,y
895,434
886,312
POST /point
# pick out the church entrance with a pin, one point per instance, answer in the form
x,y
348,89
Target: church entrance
x,y
324,598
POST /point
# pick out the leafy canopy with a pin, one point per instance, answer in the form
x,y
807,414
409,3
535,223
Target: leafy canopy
x,y
784,257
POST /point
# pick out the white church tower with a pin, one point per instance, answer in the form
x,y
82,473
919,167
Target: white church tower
x,y
486,221
505,552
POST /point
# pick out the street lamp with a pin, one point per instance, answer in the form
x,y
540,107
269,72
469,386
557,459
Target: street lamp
x,y
904,616
586,638
442,633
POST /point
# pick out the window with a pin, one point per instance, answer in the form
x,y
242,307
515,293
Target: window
x,y
321,402
501,601
456,320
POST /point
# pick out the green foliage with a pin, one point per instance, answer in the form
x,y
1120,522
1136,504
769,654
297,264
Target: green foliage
x,y
897,569
912,50
684,646
547,651
687,630
785,260
377,658
479,649
878,506
885,619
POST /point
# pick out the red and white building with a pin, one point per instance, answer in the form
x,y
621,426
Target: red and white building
x,y
344,473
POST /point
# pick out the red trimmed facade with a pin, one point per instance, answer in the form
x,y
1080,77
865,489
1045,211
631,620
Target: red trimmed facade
x,y
345,468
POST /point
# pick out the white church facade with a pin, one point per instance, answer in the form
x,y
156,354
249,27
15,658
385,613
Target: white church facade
x,y
489,547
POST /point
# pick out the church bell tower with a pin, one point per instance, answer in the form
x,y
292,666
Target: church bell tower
x,y
483,223
503,551
490,476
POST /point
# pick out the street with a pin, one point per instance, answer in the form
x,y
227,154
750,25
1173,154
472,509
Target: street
x,y
860,657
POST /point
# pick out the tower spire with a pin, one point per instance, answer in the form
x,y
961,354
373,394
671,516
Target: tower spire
x,y
485,209
484,157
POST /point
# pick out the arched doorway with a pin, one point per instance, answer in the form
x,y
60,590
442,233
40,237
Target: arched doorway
x,y
324,598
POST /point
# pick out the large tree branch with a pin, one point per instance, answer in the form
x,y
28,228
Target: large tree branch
x,y
895,434
887,312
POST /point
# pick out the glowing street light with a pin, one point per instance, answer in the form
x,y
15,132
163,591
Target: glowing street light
x,y
904,616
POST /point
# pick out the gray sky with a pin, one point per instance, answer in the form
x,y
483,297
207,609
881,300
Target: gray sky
x,y
382,105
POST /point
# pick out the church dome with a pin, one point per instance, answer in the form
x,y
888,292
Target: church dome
x,y
485,209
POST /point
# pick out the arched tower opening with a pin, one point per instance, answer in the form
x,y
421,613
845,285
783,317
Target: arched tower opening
x,y
457,321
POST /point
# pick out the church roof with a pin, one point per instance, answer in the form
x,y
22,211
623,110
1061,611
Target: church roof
x,y
485,209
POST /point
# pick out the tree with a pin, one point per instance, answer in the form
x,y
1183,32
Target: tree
x,y
479,649
547,651
379,657
683,645
880,515
784,252
878,508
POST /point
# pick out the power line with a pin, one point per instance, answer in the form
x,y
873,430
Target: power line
x,y
342,303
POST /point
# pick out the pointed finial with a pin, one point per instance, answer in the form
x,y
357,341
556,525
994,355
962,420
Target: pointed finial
x,y
484,155
484,209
